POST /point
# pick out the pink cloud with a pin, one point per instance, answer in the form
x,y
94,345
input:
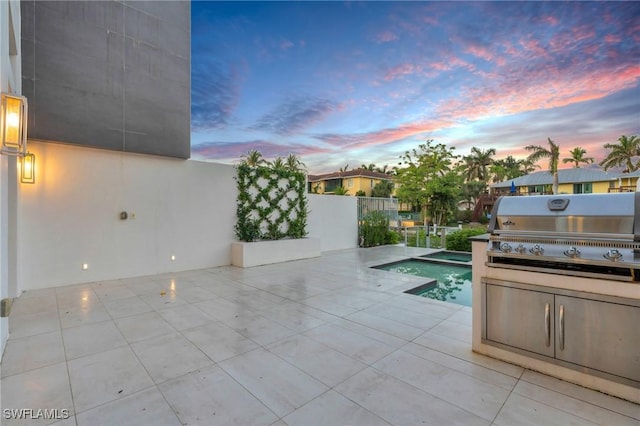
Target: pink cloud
x,y
612,38
384,136
542,88
533,46
401,70
386,37
480,52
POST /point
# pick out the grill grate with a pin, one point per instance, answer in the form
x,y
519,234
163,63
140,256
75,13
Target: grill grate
x,y
567,241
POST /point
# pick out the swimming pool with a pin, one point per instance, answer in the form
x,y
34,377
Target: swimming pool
x,y
456,256
453,281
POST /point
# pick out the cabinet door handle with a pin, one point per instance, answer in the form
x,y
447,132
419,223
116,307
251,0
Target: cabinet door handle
x,y
547,324
561,326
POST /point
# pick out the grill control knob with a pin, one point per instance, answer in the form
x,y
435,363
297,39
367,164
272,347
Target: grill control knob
x,y
521,249
505,247
573,252
613,255
537,250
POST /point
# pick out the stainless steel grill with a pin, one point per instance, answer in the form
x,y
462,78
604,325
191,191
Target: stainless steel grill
x,y
592,235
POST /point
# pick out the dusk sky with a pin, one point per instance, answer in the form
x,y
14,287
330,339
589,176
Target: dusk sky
x,y
340,83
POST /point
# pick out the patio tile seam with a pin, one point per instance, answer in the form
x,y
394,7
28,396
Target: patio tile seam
x,y
464,372
439,397
264,403
574,414
568,395
66,363
418,390
469,361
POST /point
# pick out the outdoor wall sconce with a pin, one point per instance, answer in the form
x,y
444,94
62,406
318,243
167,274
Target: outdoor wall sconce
x,y
13,134
28,169
13,125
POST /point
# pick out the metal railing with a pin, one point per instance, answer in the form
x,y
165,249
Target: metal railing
x,y
429,231
387,206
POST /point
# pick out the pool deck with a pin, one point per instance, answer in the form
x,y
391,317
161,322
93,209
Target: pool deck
x,y
324,341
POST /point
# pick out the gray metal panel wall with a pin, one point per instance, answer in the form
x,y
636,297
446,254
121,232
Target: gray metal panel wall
x,y
109,74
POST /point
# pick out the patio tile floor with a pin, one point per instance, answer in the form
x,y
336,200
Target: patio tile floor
x,y
325,341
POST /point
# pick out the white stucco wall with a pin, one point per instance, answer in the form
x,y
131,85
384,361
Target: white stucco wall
x,y
333,219
184,208
71,216
10,81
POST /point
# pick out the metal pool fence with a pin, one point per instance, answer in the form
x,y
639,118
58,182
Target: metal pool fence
x,y
386,206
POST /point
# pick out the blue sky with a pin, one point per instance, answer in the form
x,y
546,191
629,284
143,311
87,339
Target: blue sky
x,y
340,83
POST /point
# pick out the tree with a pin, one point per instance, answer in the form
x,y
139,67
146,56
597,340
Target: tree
x,y
477,164
470,192
278,163
294,164
553,154
425,179
253,159
384,169
382,189
444,192
371,167
622,153
345,168
577,157
509,168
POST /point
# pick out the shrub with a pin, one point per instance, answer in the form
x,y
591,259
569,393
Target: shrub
x,y
464,216
459,240
374,231
361,193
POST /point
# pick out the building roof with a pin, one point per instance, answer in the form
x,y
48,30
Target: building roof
x,y
575,175
348,174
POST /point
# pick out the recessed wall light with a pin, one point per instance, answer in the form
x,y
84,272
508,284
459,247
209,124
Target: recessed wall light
x,y
173,257
85,266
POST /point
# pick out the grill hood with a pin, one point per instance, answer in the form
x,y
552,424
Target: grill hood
x,y
610,216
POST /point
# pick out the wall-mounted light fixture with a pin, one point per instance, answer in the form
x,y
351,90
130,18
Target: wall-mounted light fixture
x,y
28,168
13,125
13,134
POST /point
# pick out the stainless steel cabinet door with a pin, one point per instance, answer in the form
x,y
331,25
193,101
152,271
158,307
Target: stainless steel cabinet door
x,y
599,335
520,318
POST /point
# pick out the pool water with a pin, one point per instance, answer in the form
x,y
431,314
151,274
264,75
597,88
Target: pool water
x,y
455,256
453,281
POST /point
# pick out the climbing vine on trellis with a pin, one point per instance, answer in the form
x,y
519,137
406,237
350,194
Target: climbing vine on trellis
x,y
272,203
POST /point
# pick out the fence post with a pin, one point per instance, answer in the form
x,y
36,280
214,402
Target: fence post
x,y
405,236
443,237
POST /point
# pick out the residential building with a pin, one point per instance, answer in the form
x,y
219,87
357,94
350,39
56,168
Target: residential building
x,y
571,181
351,180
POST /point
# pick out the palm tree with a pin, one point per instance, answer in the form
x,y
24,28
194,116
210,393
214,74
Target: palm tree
x,y
253,158
622,153
527,166
577,157
345,168
371,167
278,164
477,163
384,169
553,154
294,164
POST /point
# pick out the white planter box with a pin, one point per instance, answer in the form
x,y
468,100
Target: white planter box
x,y
257,253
